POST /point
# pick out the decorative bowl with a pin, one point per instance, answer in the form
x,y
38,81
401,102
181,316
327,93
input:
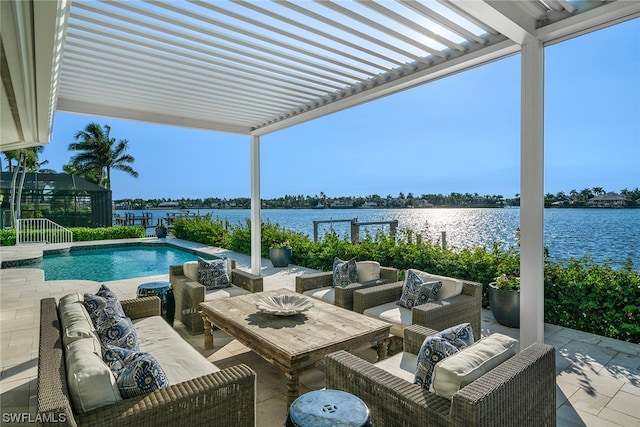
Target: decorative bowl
x,y
284,305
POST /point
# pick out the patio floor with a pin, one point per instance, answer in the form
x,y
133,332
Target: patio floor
x,y
598,378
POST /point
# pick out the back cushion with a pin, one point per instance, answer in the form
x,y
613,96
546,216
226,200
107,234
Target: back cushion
x,y
190,269
450,286
74,318
470,363
90,381
367,271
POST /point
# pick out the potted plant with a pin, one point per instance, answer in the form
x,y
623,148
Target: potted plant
x,y
161,231
280,254
504,300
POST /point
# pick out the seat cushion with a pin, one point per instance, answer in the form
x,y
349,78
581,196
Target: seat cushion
x,y
90,382
367,271
178,359
470,363
326,293
399,317
401,365
231,291
450,286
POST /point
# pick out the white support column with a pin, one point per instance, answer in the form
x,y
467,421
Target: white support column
x,y
532,195
256,235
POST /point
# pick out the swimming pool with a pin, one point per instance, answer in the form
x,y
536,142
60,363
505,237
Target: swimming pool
x,y
113,263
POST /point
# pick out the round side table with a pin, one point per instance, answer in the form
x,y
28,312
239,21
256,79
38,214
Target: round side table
x,y
327,408
165,293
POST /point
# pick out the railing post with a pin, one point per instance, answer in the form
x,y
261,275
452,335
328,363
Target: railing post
x,y
355,228
444,239
315,231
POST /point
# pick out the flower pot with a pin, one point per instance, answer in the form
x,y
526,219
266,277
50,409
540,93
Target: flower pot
x,y
280,257
505,306
161,232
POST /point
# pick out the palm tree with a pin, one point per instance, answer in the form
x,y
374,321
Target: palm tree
x,y
99,153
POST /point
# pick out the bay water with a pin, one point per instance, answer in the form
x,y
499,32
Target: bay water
x,y
607,235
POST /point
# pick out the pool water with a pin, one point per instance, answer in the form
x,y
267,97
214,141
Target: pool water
x,y
103,265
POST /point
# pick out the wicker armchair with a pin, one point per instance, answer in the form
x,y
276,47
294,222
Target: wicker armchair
x,y
438,315
342,297
223,398
189,293
519,392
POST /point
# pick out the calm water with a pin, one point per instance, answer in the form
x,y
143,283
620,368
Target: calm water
x,y
604,234
104,265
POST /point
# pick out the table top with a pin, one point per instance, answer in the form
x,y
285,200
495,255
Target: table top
x,y
155,285
326,408
293,342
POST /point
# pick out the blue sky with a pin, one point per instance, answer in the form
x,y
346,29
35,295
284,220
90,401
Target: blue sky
x,y
457,134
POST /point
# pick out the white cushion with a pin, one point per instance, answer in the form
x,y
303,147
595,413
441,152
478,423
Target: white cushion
x,y
178,359
231,291
74,319
402,365
470,363
190,269
367,271
327,294
90,381
450,286
399,317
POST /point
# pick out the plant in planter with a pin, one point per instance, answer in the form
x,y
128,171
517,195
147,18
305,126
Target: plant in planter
x,y
280,254
161,231
504,300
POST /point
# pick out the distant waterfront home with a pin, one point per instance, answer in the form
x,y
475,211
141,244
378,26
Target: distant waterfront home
x,y
168,204
609,200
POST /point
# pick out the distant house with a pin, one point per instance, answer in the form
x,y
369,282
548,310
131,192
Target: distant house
x,y
168,204
342,203
609,200
421,203
370,205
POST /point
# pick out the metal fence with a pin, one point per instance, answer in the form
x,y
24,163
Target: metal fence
x,y
41,230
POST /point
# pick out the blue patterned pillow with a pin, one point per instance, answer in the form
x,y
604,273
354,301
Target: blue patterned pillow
x,y
103,303
137,373
214,274
112,324
433,350
439,346
119,332
416,292
344,272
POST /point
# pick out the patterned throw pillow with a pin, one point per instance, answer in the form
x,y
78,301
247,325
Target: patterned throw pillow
x,y
433,350
214,274
415,292
344,272
112,325
137,373
439,346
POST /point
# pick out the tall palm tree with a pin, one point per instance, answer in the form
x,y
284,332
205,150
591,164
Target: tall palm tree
x,y
99,154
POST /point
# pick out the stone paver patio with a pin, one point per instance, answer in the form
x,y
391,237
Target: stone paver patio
x,y
598,378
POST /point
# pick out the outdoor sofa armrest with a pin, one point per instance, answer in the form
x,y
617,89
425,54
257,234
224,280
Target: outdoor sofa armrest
x,y
344,295
376,295
389,274
414,336
246,280
142,307
463,308
306,282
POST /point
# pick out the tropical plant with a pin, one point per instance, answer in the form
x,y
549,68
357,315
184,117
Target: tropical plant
x,y
281,245
99,154
507,282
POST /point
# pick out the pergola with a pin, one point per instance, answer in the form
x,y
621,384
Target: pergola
x,y
256,67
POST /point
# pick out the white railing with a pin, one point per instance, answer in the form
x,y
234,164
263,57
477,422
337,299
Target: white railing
x,y
41,230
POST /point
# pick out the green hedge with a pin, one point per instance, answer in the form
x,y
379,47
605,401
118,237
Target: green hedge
x,y
82,234
579,294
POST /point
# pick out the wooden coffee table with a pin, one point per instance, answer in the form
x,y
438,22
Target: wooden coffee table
x,y
293,343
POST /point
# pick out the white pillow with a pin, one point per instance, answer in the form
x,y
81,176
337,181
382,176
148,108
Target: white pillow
x,y
74,319
90,381
470,363
450,286
190,269
367,271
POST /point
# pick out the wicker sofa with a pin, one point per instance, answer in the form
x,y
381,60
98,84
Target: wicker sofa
x,y
439,315
518,392
320,285
221,398
189,293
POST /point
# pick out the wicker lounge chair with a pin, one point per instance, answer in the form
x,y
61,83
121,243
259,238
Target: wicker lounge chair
x,y
519,392
438,315
189,293
320,285
223,398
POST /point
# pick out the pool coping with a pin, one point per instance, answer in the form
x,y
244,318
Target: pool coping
x,y
29,254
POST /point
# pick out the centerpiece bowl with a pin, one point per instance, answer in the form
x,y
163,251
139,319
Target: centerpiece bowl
x,y
284,305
